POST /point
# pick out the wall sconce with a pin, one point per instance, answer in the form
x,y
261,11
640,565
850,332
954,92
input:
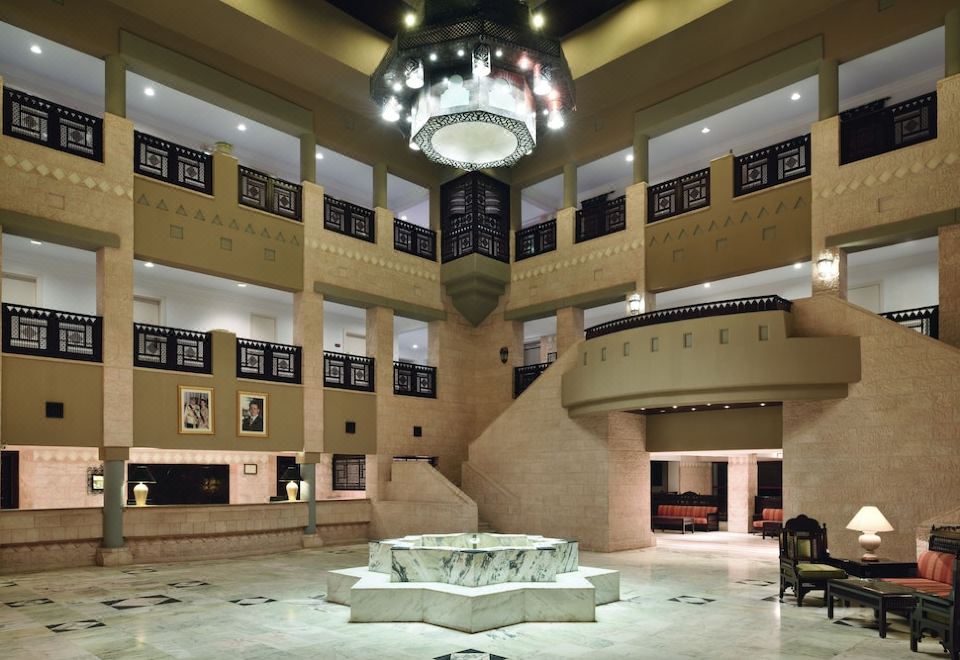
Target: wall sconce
x,y
504,354
142,475
634,304
828,266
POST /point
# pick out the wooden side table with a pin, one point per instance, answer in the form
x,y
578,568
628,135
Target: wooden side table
x,y
883,597
883,568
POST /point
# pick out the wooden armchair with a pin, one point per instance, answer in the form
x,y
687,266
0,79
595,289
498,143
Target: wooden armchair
x,y
804,558
940,615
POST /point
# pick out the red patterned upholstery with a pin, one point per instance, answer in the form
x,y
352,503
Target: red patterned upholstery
x,y
934,574
768,515
924,585
698,513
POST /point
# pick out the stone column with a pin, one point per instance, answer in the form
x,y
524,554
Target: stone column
x,y
380,348
949,249
308,157
952,42
114,476
829,89
435,221
516,208
570,186
308,473
115,85
641,157
380,186
628,483
741,489
696,476
569,328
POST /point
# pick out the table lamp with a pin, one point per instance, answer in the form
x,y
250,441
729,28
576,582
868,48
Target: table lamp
x,y
292,476
142,476
869,521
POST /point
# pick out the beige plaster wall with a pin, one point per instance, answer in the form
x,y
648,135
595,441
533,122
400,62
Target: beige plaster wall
x,y
417,499
890,443
696,475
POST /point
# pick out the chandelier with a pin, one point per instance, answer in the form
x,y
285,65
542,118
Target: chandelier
x,y
470,80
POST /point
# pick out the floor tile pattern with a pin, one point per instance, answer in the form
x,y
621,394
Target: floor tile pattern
x,y
271,607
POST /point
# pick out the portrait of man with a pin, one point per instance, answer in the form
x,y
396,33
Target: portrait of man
x,y
252,418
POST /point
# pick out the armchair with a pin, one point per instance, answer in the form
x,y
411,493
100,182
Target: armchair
x,y
939,614
804,558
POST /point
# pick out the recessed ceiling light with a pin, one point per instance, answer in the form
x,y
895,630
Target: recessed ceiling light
x,y
705,130
319,156
797,266
149,91
410,19
33,242
762,405
643,409
523,62
414,346
499,52
242,285
459,52
546,111
693,410
674,407
706,285
538,20
709,404
148,264
795,96
241,127
403,217
629,158
35,49
433,57
726,406
398,87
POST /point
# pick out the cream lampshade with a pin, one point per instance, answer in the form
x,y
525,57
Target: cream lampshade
x,y
869,520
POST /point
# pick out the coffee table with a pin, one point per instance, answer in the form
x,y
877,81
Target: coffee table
x,y
671,521
882,596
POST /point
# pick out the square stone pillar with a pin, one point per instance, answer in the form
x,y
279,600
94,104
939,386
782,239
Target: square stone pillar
x,y
949,248
741,489
569,328
380,348
115,305
696,475
308,320
628,483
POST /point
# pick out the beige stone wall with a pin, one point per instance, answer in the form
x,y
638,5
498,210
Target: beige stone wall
x,y
890,443
741,489
696,475
418,499
949,281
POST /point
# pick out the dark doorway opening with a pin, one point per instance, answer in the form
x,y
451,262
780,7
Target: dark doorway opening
x,y
720,487
10,480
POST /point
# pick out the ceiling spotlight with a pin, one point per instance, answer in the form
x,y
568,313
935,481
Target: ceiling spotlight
x,y
726,406
242,285
555,120
409,119
410,19
33,242
674,407
149,91
398,87
523,62
319,156
403,217
546,112
414,346
499,52
537,20
629,158
705,130
693,410
795,96
797,266
391,110
148,264
706,285
762,405
35,49
241,127
433,57
459,52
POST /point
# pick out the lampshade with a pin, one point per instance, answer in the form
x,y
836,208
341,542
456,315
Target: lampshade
x,y
141,474
290,474
869,519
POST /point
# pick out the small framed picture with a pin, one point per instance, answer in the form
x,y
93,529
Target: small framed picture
x,y
252,414
249,468
196,410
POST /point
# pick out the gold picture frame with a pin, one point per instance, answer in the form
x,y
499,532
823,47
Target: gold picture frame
x,y
253,423
195,415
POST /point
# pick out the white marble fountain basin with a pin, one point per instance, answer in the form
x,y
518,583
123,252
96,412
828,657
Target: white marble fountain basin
x,y
473,559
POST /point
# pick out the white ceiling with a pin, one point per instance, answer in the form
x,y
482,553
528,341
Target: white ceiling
x,y
901,71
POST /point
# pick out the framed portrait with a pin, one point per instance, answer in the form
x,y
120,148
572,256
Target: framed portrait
x,y
252,414
249,468
196,410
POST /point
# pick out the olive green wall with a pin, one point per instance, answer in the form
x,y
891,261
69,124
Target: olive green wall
x,y
737,428
733,236
28,383
214,234
342,406
156,407
746,369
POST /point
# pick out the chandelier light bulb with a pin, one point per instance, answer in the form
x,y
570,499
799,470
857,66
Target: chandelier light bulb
x,y
397,87
413,73
459,52
391,110
537,20
433,57
555,120
481,61
410,19
523,62
543,81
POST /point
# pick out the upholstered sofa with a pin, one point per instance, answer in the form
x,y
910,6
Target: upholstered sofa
x,y
768,516
934,574
705,518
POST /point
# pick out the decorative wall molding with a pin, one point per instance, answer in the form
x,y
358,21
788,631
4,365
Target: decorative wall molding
x,y
58,173
364,256
874,178
593,255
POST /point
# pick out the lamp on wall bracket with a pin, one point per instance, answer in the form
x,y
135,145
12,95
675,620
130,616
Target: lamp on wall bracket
x,y
142,476
634,304
828,266
292,476
869,521
504,354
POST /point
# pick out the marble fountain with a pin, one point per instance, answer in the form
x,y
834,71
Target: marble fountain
x,y
473,581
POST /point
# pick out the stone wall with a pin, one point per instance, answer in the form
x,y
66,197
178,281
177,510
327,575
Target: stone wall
x,y
892,442
54,538
696,475
417,499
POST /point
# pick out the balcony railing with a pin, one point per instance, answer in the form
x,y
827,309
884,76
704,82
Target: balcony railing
x,y
51,333
771,165
266,193
925,320
263,360
873,129
538,239
524,376
348,372
415,240
172,163
705,310
686,193
44,122
173,349
600,216
350,219
480,233
414,380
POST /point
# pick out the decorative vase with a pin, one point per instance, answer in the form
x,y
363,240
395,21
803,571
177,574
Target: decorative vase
x,y
140,494
292,491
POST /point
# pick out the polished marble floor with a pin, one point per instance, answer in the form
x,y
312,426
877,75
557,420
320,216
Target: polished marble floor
x,y
694,596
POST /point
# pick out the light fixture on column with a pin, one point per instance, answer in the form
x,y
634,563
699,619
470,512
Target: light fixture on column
x,y
542,80
828,267
142,476
413,72
869,521
481,61
634,304
292,476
